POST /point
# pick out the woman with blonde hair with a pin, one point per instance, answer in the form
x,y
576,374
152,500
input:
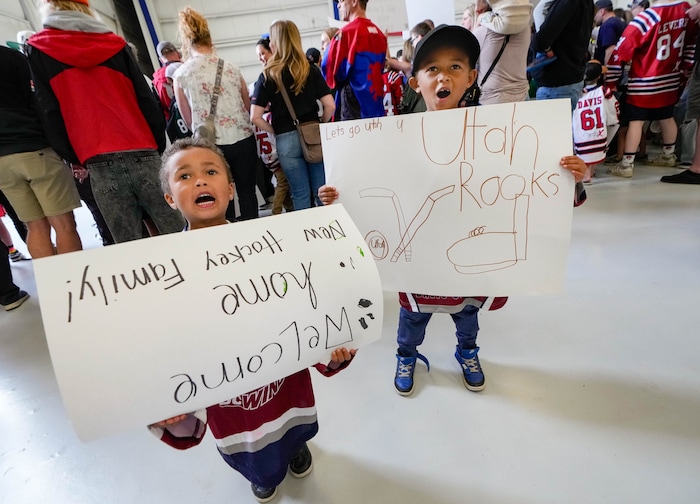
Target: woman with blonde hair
x,y
194,84
469,17
305,85
326,37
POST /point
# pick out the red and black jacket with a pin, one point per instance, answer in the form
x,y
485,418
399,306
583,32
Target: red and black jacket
x,y
92,96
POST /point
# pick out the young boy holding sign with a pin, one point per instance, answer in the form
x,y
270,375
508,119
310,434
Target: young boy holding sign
x,y
264,432
443,72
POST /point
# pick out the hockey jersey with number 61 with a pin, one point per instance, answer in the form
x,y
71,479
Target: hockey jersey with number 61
x,y
594,122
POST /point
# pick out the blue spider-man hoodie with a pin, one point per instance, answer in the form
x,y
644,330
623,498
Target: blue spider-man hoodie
x,y
353,67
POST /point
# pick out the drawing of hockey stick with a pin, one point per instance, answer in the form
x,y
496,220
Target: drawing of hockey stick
x,y
420,218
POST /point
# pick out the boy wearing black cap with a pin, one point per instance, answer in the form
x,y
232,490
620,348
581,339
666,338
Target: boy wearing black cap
x,y
443,73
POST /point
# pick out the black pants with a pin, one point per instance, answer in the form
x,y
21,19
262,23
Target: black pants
x,y
242,157
264,181
19,225
8,290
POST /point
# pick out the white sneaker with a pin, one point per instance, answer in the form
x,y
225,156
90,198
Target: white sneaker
x,y
621,170
17,256
661,160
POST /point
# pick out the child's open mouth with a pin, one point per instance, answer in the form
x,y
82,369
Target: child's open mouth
x,y
204,200
443,93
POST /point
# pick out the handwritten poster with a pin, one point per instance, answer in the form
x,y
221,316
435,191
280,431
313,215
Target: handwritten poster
x,y
467,201
145,330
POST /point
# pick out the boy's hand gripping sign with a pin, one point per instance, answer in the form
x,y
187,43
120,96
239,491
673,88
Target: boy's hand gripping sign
x,y
462,202
146,330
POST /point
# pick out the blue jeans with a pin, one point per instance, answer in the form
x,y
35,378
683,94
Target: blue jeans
x,y
570,91
304,178
126,185
412,329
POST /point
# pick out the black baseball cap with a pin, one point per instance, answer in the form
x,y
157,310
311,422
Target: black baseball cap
x,y
593,70
313,55
446,36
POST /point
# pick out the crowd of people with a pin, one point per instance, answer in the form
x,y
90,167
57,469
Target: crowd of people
x,y
80,121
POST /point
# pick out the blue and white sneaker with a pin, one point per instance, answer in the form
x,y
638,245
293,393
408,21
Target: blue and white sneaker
x,y
405,366
472,375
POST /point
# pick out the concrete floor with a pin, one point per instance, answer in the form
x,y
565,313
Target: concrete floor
x,y
592,396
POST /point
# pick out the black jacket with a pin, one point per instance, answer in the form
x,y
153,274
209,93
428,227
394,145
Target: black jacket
x,y
566,31
20,126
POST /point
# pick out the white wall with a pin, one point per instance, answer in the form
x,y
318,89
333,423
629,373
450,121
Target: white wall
x,y
13,18
237,25
17,15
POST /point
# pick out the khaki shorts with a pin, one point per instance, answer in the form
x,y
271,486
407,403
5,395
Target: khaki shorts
x,y
38,184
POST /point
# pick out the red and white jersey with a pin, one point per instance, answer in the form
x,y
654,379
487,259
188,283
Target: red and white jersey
x,y
594,122
267,145
393,92
659,44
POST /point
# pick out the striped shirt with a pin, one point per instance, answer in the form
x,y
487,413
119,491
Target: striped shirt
x,y
594,123
659,45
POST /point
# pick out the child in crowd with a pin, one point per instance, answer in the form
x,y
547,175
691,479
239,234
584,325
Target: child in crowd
x,y
595,120
258,439
443,71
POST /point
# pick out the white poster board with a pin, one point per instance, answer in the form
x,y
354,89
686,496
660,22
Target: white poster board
x,y
402,15
461,202
145,330
439,11
388,15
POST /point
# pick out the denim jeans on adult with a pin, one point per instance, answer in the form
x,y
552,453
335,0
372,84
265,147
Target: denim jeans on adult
x,y
304,178
126,185
412,329
242,157
687,130
8,290
570,91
